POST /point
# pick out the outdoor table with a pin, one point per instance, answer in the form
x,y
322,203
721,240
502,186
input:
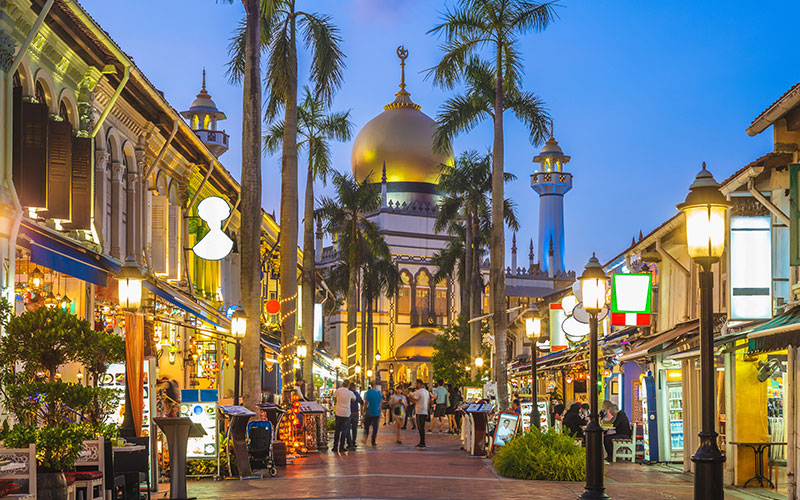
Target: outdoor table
x,y
178,431
758,452
128,448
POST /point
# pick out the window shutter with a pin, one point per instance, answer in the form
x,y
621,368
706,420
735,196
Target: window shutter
x,y
109,209
174,246
81,183
59,170
159,245
123,228
31,177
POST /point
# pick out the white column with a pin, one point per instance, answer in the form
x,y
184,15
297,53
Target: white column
x,y
100,178
117,185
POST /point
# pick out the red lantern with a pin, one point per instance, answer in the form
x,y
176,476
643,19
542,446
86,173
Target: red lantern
x,y
273,306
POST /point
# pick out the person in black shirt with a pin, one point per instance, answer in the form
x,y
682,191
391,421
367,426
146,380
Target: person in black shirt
x,y
621,430
573,421
355,405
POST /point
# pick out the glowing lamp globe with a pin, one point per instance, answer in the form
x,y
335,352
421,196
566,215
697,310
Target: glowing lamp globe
x,y
533,327
302,348
239,322
50,300
479,361
705,208
337,362
593,286
358,369
369,373
296,363
377,356
36,279
130,285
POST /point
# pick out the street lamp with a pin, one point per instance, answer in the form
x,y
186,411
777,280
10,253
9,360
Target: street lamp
x,y
533,329
369,374
302,348
130,285
593,286
378,356
705,208
238,330
337,362
358,372
478,362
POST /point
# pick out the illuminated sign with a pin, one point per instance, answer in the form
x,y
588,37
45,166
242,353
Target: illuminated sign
x,y
751,268
215,245
317,322
630,299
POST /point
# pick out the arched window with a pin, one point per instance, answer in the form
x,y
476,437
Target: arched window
x,y
63,112
40,94
17,81
404,295
440,300
423,303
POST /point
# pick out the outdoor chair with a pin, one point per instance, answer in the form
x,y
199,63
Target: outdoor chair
x,y
88,473
625,448
22,481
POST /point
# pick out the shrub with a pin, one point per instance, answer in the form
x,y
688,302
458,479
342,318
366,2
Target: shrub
x,y
57,448
541,456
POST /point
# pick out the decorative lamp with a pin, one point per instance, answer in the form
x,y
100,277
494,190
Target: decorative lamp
x,y
377,355
302,348
50,300
369,373
533,327
479,361
36,279
65,302
239,322
358,369
337,362
130,285
705,208
593,285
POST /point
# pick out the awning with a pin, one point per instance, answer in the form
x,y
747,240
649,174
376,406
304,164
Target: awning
x,y
776,334
54,251
645,348
183,301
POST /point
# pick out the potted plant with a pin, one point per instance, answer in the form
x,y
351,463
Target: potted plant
x,y
37,343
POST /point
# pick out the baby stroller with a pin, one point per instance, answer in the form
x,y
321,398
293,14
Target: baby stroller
x,y
259,446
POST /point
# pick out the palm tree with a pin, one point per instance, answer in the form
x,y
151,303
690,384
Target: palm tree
x,y
314,128
358,237
495,26
281,24
464,213
379,277
249,74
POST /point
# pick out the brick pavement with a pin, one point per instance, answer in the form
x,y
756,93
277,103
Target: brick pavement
x,y
442,471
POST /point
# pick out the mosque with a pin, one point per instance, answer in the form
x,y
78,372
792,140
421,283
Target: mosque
x,y
395,150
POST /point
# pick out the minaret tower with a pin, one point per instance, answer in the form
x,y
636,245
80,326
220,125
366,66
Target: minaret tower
x,y
203,116
551,183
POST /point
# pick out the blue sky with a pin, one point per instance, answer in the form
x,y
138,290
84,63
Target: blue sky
x,y
641,92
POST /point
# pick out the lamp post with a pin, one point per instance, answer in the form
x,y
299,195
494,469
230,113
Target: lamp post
x,y
337,362
130,285
238,329
593,287
301,350
705,208
533,328
377,370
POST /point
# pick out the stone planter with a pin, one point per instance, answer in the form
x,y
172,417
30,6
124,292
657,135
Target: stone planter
x,y
51,486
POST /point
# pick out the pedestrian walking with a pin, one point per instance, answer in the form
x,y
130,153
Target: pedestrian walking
x,y
454,400
422,401
441,403
398,404
355,406
372,412
343,397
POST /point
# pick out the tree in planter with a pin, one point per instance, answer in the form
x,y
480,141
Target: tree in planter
x,y
451,356
98,351
57,448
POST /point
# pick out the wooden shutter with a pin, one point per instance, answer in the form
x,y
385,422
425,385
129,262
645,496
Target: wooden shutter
x,y
59,170
30,174
160,228
174,244
82,198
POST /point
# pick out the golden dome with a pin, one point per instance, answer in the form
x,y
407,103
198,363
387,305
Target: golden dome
x,y
418,346
402,138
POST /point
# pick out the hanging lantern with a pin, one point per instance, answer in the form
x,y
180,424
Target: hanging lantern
x,y
130,285
36,279
65,302
50,300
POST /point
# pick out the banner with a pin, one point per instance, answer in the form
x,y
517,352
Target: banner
x,y
134,356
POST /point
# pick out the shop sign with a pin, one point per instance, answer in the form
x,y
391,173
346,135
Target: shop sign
x,y
630,299
215,245
751,268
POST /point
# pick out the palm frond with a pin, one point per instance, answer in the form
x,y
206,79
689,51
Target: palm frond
x,y
458,114
273,139
234,69
533,16
327,64
279,68
530,110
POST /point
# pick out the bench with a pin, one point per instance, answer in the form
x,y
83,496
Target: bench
x,y
625,449
25,474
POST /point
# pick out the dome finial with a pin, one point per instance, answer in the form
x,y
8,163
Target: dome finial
x,y
551,128
402,98
204,84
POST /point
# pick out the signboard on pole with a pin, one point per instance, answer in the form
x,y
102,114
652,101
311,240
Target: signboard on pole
x,y
630,299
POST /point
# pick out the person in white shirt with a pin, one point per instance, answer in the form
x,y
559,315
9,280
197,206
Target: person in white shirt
x,y
344,396
422,400
397,405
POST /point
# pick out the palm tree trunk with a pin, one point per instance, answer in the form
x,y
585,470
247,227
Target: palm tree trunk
x,y
498,241
371,338
465,288
364,333
251,207
352,305
476,290
288,258
309,279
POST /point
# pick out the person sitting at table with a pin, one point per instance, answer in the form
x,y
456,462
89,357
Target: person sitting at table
x,y
621,430
573,421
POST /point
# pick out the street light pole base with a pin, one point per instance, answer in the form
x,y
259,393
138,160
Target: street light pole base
x,y
708,461
594,495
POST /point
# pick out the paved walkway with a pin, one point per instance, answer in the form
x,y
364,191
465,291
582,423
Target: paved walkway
x,y
442,471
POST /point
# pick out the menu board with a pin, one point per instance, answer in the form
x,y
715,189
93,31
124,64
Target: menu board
x,y
473,393
527,410
114,378
203,413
